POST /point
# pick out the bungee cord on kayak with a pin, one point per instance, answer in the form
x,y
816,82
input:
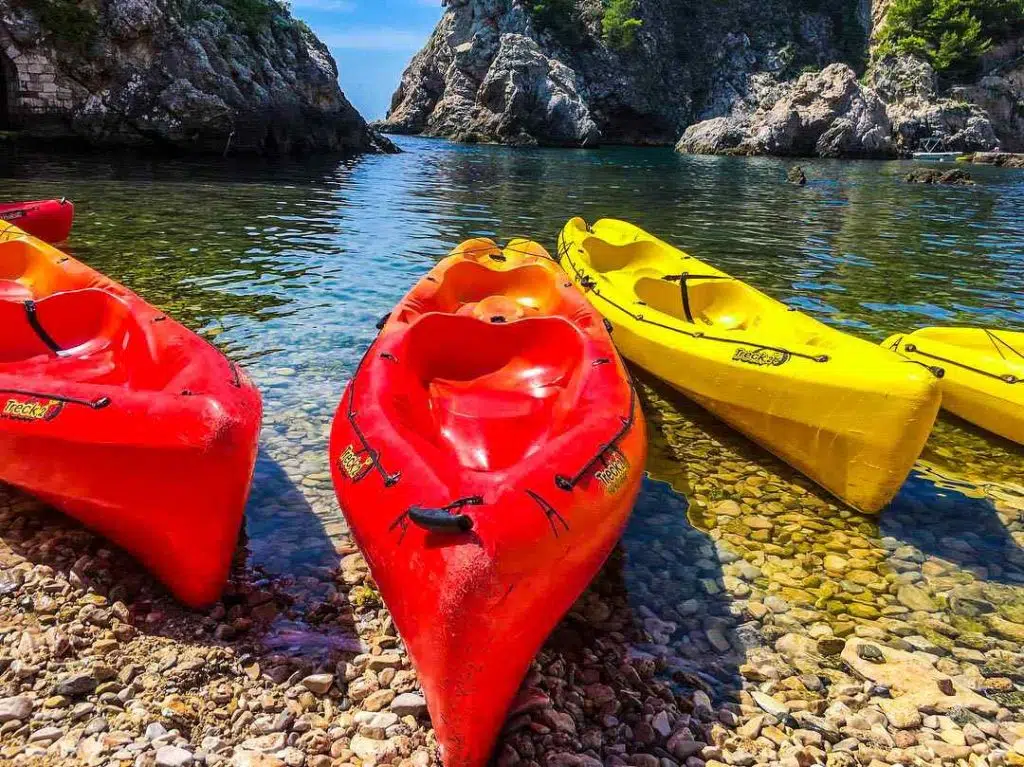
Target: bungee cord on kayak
x,y
589,285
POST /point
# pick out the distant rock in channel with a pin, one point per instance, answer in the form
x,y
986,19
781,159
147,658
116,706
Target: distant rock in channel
x,y
205,76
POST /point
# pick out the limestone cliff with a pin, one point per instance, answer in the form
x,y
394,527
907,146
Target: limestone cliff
x,y
239,76
738,76
497,70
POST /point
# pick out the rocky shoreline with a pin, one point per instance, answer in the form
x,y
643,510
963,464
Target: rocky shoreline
x,y
755,623
232,77
767,78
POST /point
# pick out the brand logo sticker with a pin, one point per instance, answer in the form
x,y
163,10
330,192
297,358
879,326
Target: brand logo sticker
x,y
613,475
31,409
354,466
13,215
762,357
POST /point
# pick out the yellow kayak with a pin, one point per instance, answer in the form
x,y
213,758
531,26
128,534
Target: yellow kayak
x,y
984,373
850,415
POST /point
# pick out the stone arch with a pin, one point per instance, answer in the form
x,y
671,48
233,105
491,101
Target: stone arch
x,y
8,92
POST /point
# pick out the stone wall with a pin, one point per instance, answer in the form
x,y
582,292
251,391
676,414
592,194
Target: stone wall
x,y
37,89
195,77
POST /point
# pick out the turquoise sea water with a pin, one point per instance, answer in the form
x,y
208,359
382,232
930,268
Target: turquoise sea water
x,y
288,265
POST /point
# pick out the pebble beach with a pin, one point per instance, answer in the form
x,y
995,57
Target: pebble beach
x,y
745,619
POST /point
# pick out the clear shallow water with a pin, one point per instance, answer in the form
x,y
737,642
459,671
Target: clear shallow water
x,y
288,266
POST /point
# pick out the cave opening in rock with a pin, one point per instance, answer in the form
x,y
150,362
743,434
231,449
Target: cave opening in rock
x,y
8,92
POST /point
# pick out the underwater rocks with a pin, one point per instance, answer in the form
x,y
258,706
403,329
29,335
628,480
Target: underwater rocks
x,y
954,177
716,634
212,77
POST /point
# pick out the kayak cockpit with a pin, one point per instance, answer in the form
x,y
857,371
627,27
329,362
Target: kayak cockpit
x,y
493,398
88,336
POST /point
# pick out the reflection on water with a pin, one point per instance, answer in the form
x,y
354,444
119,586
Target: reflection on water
x,y
288,265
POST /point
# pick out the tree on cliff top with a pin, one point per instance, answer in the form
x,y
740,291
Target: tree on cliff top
x,y
619,25
949,34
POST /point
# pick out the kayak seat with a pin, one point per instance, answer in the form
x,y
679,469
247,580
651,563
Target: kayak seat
x,y
608,257
488,393
25,270
527,289
97,339
724,304
19,342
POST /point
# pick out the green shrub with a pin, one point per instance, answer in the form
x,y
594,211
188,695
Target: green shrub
x,y
561,18
619,25
65,22
949,34
254,16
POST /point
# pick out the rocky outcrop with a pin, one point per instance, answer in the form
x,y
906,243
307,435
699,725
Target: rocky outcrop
x,y
771,77
493,71
953,177
827,113
1001,94
918,110
832,114
237,76
999,159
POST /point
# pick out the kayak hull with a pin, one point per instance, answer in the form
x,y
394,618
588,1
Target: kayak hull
x,y
49,220
142,431
983,373
852,419
546,486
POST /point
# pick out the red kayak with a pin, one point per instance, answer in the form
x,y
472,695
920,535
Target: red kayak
x,y
122,418
487,455
49,220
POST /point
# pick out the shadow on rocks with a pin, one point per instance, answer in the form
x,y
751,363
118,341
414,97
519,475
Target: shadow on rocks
x,y
644,668
288,605
945,518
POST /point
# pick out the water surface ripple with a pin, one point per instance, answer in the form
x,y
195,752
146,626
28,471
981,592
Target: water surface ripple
x,y
288,265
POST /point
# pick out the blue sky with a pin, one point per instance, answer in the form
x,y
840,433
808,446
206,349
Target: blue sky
x,y
372,41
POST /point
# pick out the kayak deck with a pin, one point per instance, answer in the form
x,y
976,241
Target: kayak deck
x,y
487,454
122,418
851,416
983,369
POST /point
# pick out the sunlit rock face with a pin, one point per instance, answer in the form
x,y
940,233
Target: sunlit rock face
x,y
495,71
227,76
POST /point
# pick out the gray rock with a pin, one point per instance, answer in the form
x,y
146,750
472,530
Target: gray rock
x,y
769,705
172,756
46,735
870,653
159,73
318,684
18,708
917,109
827,114
73,686
409,704
494,71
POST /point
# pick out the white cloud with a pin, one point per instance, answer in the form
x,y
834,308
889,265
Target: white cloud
x,y
376,39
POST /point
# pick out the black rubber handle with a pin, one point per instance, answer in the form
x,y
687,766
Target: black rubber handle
x,y
440,521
